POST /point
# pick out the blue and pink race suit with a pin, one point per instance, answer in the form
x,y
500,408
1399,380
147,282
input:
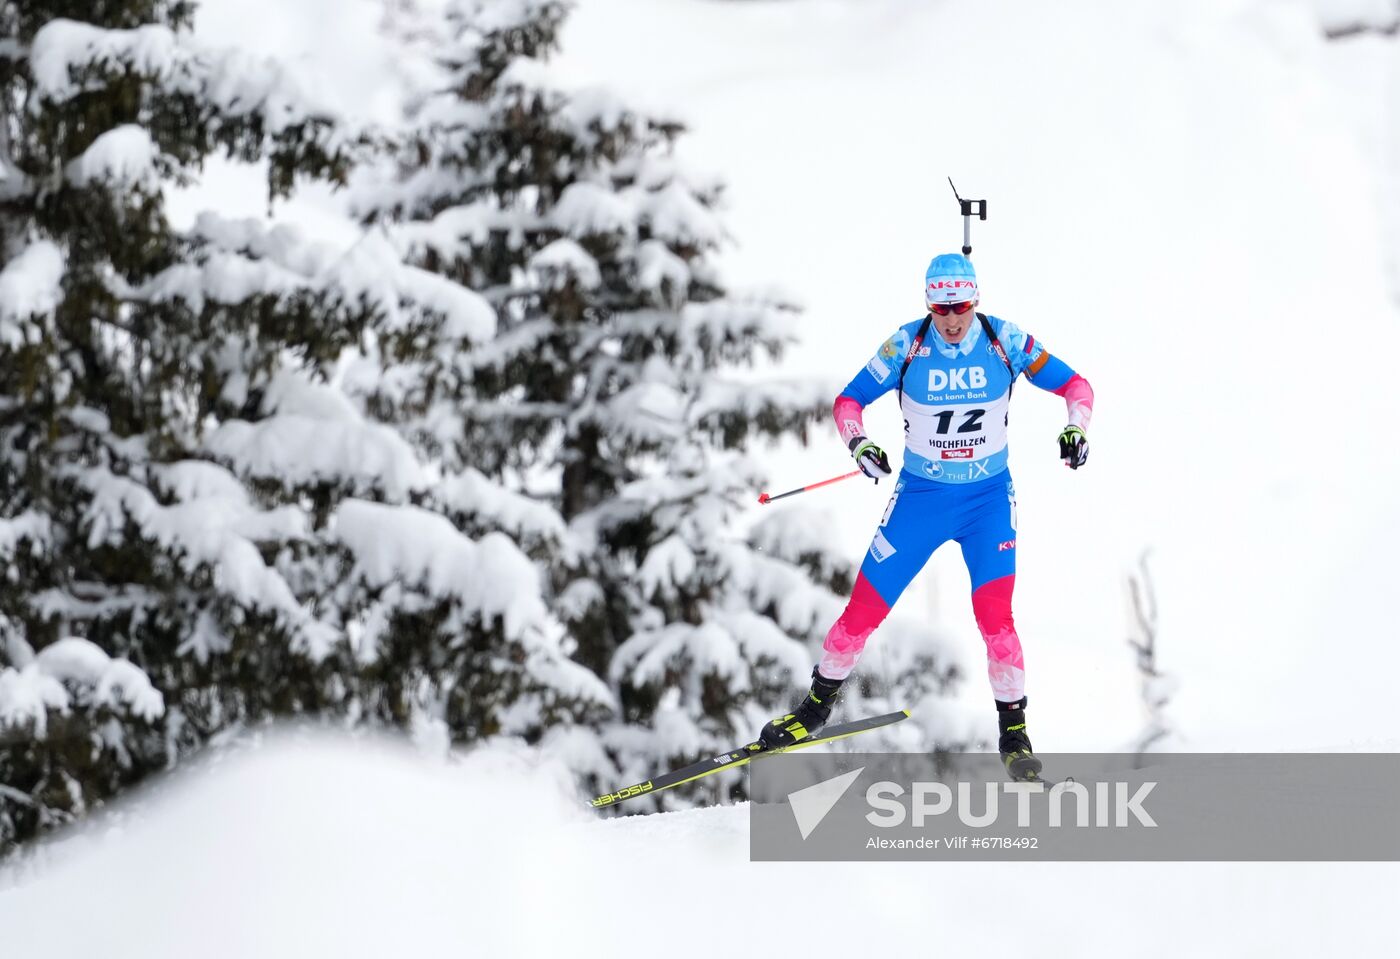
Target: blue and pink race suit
x,y
955,483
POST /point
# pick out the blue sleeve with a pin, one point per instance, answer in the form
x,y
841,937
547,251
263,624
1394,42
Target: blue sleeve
x,y
1029,356
881,374
1053,375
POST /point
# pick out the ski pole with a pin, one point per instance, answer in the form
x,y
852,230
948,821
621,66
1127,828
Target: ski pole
x,y
766,498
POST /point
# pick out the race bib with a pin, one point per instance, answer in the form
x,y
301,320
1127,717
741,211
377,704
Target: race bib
x,y
957,431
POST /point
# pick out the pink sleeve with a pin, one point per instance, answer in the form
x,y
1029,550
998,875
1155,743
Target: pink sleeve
x,y
849,421
1079,400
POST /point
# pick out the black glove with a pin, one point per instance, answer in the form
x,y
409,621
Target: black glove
x,y
870,458
1074,447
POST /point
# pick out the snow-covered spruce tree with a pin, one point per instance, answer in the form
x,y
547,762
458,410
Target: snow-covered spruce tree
x,y
200,528
616,391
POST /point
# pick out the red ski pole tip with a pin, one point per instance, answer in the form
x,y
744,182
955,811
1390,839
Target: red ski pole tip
x,y
763,499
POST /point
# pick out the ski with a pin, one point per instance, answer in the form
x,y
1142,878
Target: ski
x,y
742,756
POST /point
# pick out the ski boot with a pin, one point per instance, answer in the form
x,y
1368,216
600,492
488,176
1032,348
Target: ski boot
x,y
1015,746
810,716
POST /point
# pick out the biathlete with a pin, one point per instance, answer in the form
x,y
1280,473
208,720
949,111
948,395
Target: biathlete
x,y
953,370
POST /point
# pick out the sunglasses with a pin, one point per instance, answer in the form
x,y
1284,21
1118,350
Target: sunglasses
x,y
943,309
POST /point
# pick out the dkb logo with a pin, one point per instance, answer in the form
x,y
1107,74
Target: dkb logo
x,y
961,378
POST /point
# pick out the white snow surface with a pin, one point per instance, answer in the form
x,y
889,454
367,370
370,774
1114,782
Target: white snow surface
x,y
311,845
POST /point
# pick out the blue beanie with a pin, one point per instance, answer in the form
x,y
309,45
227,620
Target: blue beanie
x,y
950,278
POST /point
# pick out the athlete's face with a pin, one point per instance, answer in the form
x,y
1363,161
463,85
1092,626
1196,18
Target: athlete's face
x,y
952,325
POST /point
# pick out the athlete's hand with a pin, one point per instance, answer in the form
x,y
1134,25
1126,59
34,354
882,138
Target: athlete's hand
x,y
870,458
1074,447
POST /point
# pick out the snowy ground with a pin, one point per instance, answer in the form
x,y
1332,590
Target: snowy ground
x,y
331,848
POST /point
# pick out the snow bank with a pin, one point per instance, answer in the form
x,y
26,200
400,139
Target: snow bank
x,y
313,845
